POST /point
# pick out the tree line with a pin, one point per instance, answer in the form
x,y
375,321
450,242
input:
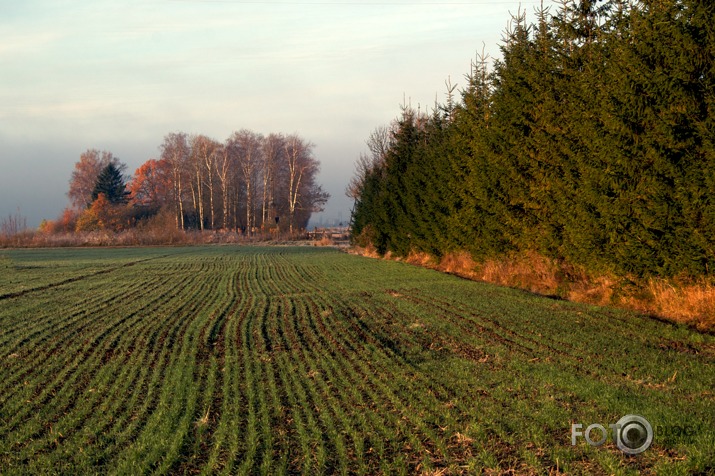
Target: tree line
x,y
248,183
591,140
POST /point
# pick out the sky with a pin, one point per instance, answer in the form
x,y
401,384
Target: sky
x,y
120,75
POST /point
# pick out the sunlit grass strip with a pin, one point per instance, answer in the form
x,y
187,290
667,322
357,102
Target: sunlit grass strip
x,y
135,416
137,315
384,397
387,377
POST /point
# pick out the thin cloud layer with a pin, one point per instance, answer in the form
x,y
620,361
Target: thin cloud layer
x,y
95,74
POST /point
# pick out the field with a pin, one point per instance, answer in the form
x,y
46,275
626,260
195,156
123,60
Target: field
x,y
250,360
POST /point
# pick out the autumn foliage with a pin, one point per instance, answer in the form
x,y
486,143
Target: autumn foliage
x,y
250,185
151,185
104,215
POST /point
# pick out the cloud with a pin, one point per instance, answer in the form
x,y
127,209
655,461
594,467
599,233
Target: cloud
x,y
120,75
20,44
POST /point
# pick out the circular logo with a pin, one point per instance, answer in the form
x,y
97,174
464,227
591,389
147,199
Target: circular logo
x,y
633,434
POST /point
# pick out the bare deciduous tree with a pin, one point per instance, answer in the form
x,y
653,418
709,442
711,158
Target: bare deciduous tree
x,y
272,156
246,148
203,154
224,164
378,143
248,182
301,164
13,225
85,174
175,150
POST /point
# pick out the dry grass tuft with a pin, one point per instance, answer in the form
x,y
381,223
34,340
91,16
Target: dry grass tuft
x,y
368,251
204,420
530,271
688,303
459,263
463,439
599,290
324,241
420,259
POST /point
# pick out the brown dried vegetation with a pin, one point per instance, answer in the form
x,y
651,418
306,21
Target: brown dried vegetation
x,y
678,300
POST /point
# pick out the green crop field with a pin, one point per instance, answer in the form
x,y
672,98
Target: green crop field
x,y
277,360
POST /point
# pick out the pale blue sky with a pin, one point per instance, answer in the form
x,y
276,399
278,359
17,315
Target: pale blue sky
x,y
119,75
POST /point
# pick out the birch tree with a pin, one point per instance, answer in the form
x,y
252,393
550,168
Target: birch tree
x,y
300,163
204,154
272,147
224,163
175,150
246,148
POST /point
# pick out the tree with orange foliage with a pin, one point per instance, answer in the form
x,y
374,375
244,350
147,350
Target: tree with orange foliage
x,y
103,215
152,184
66,222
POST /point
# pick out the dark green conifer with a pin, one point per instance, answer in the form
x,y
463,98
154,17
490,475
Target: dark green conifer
x,y
111,183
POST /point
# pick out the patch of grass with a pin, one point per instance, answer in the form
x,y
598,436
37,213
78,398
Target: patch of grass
x,y
224,360
679,300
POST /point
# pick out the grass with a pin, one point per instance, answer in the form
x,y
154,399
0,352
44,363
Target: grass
x,y
258,360
680,299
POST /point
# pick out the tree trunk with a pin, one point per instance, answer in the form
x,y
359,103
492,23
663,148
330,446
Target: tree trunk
x,y
200,197
181,203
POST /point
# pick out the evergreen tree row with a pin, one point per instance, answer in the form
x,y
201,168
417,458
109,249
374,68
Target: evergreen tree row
x,y
592,140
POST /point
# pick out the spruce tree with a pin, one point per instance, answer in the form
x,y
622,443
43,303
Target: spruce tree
x,y
653,116
479,203
579,45
398,202
518,139
111,183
